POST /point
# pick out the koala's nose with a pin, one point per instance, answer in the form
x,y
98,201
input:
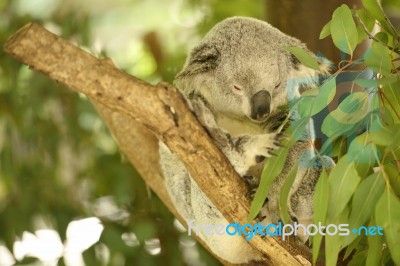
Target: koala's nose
x,y
260,105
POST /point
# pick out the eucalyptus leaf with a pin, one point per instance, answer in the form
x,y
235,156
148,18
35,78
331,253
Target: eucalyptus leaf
x,y
362,35
347,118
331,249
343,181
304,57
367,83
393,172
312,105
349,250
361,150
359,258
382,37
272,168
374,10
381,134
364,200
332,242
387,216
284,194
366,19
375,248
297,130
326,31
352,109
344,30
320,201
378,59
392,100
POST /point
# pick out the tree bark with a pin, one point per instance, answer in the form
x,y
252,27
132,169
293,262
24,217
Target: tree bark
x,y
138,114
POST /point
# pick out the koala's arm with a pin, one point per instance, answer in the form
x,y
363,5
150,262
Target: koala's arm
x,y
243,151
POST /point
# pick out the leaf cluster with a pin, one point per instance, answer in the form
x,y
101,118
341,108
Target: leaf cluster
x,y
362,130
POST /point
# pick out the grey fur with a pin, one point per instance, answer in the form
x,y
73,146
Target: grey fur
x,y
236,59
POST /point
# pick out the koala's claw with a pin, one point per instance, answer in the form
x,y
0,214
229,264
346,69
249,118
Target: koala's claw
x,y
262,146
261,158
252,193
279,144
251,181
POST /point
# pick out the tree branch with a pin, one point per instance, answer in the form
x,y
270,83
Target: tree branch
x,y
131,109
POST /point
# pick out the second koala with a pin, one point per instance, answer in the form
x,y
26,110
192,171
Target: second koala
x,y
235,80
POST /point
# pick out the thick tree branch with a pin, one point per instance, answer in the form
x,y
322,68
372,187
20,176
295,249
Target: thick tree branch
x,y
131,109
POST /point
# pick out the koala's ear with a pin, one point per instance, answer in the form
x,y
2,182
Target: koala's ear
x,y
203,58
204,53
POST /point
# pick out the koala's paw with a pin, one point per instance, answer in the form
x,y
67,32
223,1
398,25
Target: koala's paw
x,y
262,146
246,151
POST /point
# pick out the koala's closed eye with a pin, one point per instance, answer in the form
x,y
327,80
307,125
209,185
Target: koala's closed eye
x,y
237,89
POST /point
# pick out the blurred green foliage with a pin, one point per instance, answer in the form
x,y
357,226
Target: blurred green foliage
x,y
58,162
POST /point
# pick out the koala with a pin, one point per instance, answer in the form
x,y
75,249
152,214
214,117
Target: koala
x,y
238,81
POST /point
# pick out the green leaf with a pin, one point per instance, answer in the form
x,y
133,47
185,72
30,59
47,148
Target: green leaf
x,y
387,216
361,150
375,245
367,83
344,30
272,168
297,130
354,245
375,12
364,200
320,201
378,59
332,249
321,198
362,35
391,100
395,143
382,36
284,194
350,111
312,105
366,19
343,181
326,31
332,242
379,133
393,172
358,258
304,57
310,92
388,80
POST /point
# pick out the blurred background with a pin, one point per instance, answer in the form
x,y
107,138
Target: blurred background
x,y
67,195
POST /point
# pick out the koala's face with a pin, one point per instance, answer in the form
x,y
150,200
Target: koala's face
x,y
248,86
242,69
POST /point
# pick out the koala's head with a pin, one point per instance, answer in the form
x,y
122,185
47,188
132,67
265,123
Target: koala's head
x,y
241,69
